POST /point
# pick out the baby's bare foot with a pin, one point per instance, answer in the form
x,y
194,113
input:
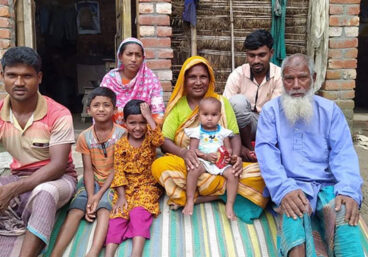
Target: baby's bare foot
x,y
230,212
188,208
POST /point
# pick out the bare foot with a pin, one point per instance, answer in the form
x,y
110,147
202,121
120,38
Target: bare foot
x,y
174,206
230,212
188,208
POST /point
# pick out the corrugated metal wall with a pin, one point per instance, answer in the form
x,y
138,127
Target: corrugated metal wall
x,y
213,31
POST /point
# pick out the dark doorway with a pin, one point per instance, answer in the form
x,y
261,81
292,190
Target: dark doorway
x,y
361,93
76,40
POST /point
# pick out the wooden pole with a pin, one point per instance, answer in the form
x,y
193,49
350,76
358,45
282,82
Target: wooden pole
x,y
232,36
20,23
193,35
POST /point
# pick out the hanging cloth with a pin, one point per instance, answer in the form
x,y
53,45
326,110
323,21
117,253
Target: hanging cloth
x,y
317,40
190,12
278,30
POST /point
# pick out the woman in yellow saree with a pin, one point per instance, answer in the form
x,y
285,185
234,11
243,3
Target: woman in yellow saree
x,y
182,112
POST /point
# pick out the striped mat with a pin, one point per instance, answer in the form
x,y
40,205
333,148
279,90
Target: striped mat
x,y
207,233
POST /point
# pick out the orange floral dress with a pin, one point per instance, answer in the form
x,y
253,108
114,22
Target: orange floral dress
x,y
132,167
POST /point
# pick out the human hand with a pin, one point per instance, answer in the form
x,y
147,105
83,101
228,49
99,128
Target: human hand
x,y
351,208
6,194
120,205
191,159
237,165
249,155
91,207
295,203
211,157
145,110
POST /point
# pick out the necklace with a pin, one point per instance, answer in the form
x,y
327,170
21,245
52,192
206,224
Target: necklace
x,y
103,141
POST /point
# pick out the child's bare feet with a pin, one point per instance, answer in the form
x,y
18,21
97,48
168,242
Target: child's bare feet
x,y
230,212
188,208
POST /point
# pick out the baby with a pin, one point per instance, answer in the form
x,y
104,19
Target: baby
x,y
206,139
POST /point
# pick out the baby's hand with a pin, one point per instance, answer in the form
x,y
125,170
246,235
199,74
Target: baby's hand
x,y
145,110
212,157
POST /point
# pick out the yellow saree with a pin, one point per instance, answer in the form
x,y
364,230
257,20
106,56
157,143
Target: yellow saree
x,y
170,170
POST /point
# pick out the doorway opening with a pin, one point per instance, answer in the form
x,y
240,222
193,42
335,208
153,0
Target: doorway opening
x,y
361,92
77,41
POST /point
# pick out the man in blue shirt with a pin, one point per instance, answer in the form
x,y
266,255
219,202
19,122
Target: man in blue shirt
x,y
310,167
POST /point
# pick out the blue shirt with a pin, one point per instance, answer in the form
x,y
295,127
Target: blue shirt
x,y
307,156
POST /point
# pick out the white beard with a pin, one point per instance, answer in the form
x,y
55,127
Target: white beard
x,y
298,108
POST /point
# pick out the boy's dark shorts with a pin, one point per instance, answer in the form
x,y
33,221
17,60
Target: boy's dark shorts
x,y
80,199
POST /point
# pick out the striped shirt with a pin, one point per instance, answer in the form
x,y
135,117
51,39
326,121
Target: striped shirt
x,y
102,153
50,124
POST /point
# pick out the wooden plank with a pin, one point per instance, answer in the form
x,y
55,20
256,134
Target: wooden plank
x,y
127,19
28,14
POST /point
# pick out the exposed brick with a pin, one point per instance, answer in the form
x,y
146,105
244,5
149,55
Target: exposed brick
x,y
150,53
335,31
164,31
4,23
164,74
344,1
163,8
341,74
344,20
332,95
154,20
343,42
156,42
165,53
351,31
4,43
336,9
339,84
342,53
166,86
351,53
146,8
342,64
159,64
353,9
345,104
347,94
146,31
4,2
5,33
4,11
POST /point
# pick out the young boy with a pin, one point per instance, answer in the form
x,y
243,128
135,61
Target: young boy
x,y
93,197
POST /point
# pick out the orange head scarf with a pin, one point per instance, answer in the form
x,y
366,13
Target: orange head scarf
x,y
179,91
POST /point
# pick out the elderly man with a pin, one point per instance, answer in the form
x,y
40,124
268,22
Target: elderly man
x,y
251,85
38,133
310,167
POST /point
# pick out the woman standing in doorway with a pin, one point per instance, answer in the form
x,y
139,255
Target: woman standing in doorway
x,y
132,79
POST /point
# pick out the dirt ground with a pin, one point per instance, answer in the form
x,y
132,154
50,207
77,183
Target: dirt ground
x,y
363,161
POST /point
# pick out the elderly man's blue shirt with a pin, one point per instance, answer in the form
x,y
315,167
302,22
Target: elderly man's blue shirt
x,y
307,156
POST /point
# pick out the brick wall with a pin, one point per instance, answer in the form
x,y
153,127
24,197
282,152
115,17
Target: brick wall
x,y
7,31
342,55
155,32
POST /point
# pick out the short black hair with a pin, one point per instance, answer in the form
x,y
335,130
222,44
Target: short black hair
x,y
257,39
102,91
21,55
132,107
123,47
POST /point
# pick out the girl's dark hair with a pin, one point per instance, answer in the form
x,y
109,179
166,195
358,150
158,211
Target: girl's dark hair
x,y
132,107
258,39
21,55
123,47
102,91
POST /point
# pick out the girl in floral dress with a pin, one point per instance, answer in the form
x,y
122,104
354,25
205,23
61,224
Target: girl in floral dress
x,y
136,191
